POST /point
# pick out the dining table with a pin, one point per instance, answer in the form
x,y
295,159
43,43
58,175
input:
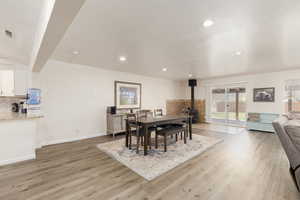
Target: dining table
x,y
151,121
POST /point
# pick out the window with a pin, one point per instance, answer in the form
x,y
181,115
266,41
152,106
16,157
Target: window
x,y
292,103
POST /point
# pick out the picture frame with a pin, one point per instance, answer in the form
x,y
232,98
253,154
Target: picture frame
x,y
128,95
264,94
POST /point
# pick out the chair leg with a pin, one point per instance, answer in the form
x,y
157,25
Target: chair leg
x,y
130,140
184,132
176,137
156,141
149,140
181,135
142,141
137,144
165,142
127,137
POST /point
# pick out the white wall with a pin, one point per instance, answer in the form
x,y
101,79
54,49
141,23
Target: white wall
x,y
20,68
275,79
75,98
17,142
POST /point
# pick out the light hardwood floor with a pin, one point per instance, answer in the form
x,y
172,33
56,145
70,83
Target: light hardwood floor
x,y
248,166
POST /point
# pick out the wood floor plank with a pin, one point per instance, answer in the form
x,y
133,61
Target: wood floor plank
x,y
246,165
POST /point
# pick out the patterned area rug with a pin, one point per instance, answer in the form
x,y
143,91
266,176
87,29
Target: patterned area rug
x,y
157,161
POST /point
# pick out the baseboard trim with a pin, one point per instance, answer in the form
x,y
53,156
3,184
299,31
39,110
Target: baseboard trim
x,y
60,141
18,159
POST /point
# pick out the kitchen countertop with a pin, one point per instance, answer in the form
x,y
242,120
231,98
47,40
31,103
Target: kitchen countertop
x,y
17,116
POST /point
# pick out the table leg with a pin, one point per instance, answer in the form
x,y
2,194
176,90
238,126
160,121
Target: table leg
x,y
146,140
190,128
126,140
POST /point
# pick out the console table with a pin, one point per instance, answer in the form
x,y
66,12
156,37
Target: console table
x,y
116,123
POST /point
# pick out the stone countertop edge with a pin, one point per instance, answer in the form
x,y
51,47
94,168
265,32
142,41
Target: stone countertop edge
x,y
18,116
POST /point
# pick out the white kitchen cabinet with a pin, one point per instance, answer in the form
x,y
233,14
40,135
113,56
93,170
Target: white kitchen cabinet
x,y
7,85
13,82
21,82
18,140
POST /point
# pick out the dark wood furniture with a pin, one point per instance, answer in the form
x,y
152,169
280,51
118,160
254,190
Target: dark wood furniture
x,y
144,113
158,112
170,131
133,129
145,123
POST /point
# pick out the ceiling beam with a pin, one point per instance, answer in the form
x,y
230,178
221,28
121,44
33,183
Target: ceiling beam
x,y
53,29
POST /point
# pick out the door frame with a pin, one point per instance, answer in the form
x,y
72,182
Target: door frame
x,y
226,105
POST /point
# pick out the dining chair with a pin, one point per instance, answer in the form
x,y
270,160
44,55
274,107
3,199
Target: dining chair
x,y
158,112
146,114
133,129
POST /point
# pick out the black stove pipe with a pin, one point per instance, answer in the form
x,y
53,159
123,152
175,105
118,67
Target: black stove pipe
x,y
192,97
192,84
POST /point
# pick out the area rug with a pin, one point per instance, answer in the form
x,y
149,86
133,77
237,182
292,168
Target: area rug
x,y
158,162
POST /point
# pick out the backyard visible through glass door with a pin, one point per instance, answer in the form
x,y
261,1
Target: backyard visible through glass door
x,y
228,105
218,105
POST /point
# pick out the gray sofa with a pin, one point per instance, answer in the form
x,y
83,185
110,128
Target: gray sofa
x,y
288,132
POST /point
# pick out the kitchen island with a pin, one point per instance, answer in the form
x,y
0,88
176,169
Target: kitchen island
x,y
18,134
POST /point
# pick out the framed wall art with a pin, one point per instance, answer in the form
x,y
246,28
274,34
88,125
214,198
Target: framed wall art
x,y
264,94
128,95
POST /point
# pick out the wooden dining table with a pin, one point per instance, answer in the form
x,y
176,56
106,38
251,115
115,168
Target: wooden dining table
x,y
146,123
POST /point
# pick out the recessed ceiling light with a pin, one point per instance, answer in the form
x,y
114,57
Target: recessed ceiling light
x,y
122,58
208,23
75,52
164,69
190,75
238,53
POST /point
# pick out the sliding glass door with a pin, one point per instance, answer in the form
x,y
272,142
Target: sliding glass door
x,y
218,104
228,105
